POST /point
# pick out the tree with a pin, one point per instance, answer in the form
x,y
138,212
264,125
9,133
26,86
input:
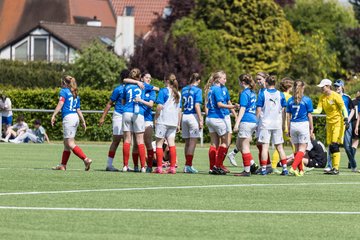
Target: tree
x,y
312,59
311,16
284,3
356,7
254,31
97,67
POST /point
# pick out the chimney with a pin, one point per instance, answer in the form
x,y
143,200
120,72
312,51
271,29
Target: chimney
x,y
94,22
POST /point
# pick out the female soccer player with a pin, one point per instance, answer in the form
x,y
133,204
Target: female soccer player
x,y
147,102
300,122
336,117
192,121
115,98
69,104
5,112
270,111
167,117
215,121
246,121
133,120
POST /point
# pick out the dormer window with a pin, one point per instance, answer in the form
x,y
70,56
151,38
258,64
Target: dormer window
x,y
128,11
166,12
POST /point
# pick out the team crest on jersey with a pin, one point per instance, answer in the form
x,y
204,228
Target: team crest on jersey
x,y
331,102
147,95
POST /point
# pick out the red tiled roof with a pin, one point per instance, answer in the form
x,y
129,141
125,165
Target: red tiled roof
x,y
143,12
77,35
90,8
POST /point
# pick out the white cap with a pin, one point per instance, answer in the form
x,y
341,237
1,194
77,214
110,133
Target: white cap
x,y
325,82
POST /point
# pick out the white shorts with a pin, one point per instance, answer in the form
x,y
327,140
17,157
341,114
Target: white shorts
x,y
149,124
299,132
70,124
276,136
190,126
163,131
228,124
246,129
117,124
217,125
133,123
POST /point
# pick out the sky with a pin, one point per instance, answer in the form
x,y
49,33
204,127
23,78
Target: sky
x,y
346,2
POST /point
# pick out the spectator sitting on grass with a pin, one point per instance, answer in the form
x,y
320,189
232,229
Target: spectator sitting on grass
x,y
37,135
16,130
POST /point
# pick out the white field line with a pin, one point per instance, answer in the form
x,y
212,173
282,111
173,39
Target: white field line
x,y
174,210
175,187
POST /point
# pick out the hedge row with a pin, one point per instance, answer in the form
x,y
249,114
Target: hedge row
x,y
90,100
31,74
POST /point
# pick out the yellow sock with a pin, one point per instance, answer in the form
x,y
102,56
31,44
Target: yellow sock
x,y
275,159
336,160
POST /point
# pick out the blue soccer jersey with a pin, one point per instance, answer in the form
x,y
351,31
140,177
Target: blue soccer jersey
x,y
226,96
148,95
70,104
116,97
132,91
261,97
215,95
247,100
348,103
299,112
190,96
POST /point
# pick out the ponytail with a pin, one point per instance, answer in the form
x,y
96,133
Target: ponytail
x,y
70,83
247,78
298,91
271,80
214,78
194,78
285,84
135,74
173,84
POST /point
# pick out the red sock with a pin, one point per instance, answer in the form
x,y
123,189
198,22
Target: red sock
x,y
212,156
150,157
172,151
126,153
135,158
220,156
159,156
263,162
142,154
298,160
78,152
65,157
111,154
283,162
247,157
259,146
189,159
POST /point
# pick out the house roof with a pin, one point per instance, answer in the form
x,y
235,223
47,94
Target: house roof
x,y
144,12
19,16
75,35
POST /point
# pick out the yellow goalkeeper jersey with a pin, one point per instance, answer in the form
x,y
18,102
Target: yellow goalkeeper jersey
x,y
287,96
333,106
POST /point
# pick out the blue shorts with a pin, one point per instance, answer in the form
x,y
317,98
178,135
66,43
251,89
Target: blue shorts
x,y
7,120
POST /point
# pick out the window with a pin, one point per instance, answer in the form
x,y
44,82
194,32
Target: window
x,y
59,52
166,12
40,49
21,51
128,11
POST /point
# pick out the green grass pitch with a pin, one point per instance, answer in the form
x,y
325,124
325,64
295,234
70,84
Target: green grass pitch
x,y
38,203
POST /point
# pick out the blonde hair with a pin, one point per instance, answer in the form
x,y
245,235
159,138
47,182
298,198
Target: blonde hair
x,y
70,83
214,78
298,92
173,84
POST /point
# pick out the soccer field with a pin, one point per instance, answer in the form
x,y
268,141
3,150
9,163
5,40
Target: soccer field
x,y
38,203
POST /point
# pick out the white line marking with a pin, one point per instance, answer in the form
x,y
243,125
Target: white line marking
x,y
174,210
176,187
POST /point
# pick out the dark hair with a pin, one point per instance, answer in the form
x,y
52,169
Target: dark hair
x,y
285,84
194,77
144,74
123,74
171,78
37,122
247,78
20,118
271,80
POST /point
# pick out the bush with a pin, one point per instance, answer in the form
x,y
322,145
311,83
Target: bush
x,y
31,74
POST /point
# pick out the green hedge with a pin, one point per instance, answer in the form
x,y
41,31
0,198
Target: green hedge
x,y
94,100
31,74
